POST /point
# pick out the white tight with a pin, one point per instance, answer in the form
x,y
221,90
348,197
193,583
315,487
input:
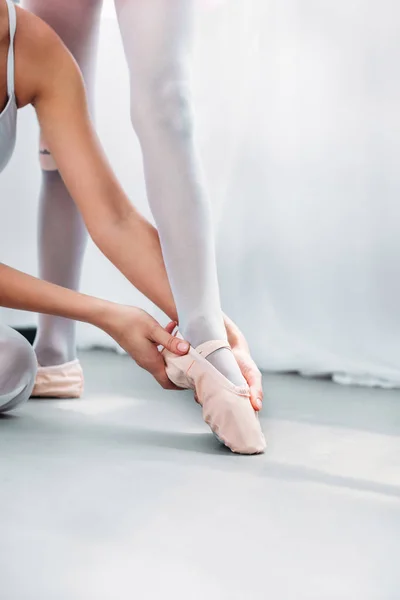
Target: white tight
x,y
17,369
156,36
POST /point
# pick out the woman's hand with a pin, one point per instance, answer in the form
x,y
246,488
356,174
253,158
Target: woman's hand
x,y
252,375
248,367
134,330
139,334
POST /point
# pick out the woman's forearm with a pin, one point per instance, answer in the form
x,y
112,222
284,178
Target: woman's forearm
x,y
133,246
132,328
24,292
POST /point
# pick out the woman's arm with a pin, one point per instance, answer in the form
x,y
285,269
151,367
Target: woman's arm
x,y
133,329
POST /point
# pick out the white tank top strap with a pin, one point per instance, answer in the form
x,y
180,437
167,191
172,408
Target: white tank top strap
x,y
12,19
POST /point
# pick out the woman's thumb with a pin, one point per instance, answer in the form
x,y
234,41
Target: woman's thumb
x,y
172,343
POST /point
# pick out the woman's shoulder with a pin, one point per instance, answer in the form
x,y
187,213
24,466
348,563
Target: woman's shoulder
x,y
33,32
37,50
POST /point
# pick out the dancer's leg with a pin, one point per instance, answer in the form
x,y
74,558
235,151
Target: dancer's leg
x,y
62,234
156,36
17,369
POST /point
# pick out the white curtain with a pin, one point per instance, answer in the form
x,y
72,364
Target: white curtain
x,y
298,105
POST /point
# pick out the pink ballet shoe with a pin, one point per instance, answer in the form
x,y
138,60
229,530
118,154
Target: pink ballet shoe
x,y
226,407
59,381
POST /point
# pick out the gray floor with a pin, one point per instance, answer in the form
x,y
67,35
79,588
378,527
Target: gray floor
x,y
125,494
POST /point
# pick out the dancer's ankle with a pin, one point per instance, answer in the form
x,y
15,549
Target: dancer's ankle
x,y
202,329
51,355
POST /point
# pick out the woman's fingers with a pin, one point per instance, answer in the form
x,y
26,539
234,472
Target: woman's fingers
x,y
153,362
158,372
161,337
171,326
254,380
252,375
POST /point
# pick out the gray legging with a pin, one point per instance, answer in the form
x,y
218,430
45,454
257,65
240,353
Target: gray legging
x,y
18,366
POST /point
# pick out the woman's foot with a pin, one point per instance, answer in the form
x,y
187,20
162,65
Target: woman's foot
x,y
59,381
226,407
198,331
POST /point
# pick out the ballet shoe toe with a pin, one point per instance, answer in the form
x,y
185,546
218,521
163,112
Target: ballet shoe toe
x,y
226,407
231,417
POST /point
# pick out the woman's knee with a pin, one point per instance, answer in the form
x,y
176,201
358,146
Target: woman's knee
x,y
18,367
163,102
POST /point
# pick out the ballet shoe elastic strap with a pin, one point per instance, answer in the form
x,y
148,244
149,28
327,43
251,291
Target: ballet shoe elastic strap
x,y
212,346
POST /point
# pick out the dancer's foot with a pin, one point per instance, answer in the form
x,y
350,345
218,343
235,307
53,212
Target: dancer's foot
x,y
198,331
226,407
59,381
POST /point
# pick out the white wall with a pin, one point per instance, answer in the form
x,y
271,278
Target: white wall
x,y
298,119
